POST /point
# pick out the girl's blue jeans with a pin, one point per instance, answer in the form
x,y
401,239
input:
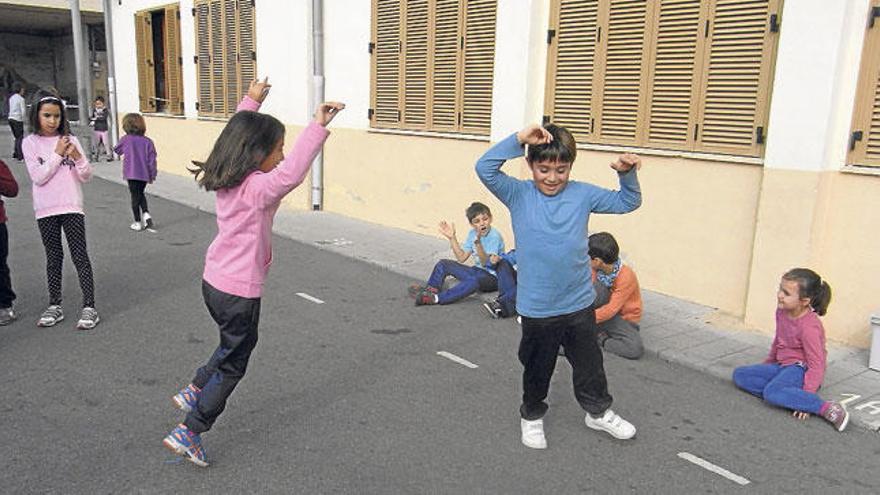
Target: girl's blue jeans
x,y
779,385
470,279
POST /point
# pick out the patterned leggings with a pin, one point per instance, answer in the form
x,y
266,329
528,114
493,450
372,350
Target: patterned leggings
x,y
74,226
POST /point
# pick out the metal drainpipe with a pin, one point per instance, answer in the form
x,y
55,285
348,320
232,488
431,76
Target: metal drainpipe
x,y
317,96
78,52
111,72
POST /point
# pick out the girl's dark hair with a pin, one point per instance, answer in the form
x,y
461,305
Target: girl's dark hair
x,y
811,285
247,139
475,209
99,98
133,123
602,245
562,149
41,99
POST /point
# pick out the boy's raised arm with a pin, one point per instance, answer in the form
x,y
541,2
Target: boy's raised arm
x,y
489,168
629,197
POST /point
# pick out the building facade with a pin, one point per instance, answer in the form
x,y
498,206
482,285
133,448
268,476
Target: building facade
x,y
758,121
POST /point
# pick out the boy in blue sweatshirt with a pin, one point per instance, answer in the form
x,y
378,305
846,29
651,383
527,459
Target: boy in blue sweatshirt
x,y
550,215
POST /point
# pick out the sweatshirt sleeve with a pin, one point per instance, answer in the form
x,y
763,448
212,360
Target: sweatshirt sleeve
x,y
8,184
151,159
489,169
814,353
265,189
249,104
621,291
627,199
118,149
83,167
40,173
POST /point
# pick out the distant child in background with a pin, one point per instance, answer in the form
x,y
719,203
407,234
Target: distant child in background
x,y
618,298
503,306
138,167
251,176
481,242
57,166
17,115
9,189
795,367
98,122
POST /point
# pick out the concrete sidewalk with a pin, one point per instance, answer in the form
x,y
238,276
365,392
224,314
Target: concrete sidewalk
x,y
672,329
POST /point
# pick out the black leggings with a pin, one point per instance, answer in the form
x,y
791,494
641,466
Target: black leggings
x,y
138,198
74,227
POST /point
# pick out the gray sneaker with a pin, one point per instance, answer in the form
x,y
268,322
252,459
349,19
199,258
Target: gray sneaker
x,y
51,316
88,319
7,316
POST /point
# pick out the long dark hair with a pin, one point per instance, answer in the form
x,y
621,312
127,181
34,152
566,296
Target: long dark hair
x,y
247,139
40,100
811,285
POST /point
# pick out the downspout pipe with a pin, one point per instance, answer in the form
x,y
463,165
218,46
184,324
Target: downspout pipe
x,y
78,56
317,96
111,72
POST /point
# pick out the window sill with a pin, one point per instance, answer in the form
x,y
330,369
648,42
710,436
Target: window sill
x,y
695,155
164,115
441,135
861,170
213,119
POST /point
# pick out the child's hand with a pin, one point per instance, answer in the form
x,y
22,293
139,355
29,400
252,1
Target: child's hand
x,y
326,111
803,416
62,145
626,162
447,229
534,134
494,259
73,153
259,90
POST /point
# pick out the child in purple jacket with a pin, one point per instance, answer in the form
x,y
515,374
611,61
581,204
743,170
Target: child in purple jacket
x,y
138,167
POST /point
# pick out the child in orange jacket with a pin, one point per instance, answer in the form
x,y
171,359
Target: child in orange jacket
x,y
618,298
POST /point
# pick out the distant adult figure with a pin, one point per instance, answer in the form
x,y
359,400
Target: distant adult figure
x,y
17,113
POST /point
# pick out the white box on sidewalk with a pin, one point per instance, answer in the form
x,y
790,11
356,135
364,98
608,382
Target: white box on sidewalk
x,y
874,356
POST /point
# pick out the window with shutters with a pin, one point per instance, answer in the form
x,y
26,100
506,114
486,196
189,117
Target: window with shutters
x,y
685,75
432,64
864,141
160,76
226,56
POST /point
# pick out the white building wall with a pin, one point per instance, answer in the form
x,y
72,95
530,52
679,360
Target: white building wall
x,y
347,30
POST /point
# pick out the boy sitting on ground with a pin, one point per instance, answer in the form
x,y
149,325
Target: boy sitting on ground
x,y
618,298
481,242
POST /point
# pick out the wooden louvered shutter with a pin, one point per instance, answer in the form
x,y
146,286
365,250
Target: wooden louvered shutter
x,y
146,74
736,77
673,84
444,65
203,58
247,47
571,66
865,138
386,64
415,64
173,61
217,59
623,51
230,56
479,66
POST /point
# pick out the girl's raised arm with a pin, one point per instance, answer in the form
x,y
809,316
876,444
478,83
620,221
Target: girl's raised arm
x,y
257,93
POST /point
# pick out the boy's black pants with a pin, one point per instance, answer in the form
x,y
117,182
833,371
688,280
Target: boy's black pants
x,y
6,293
238,319
538,351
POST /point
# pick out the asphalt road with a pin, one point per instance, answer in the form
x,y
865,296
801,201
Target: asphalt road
x,y
348,396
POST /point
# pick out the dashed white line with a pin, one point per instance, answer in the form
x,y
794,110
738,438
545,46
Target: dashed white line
x,y
712,467
452,357
309,298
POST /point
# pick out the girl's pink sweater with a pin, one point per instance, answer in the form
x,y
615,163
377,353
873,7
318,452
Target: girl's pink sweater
x,y
800,340
56,180
239,257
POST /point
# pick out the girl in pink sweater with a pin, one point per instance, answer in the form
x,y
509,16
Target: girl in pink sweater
x,y
795,367
58,166
243,168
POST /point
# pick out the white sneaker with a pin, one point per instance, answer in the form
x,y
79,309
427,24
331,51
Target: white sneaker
x,y
136,226
533,433
148,221
610,422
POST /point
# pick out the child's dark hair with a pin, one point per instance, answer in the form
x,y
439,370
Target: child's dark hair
x,y
811,285
16,87
40,100
475,209
562,149
99,98
247,139
133,123
602,245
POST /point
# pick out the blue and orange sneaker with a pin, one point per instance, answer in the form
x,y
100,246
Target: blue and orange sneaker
x,y
182,441
187,398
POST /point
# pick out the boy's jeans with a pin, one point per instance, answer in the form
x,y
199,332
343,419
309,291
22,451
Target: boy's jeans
x,y
470,279
779,385
506,276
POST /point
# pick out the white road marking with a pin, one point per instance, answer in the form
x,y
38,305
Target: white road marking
x,y
452,357
309,298
712,467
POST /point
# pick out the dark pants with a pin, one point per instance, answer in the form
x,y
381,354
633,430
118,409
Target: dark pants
x,y
470,279
506,276
538,350
138,198
6,293
74,227
238,319
17,132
